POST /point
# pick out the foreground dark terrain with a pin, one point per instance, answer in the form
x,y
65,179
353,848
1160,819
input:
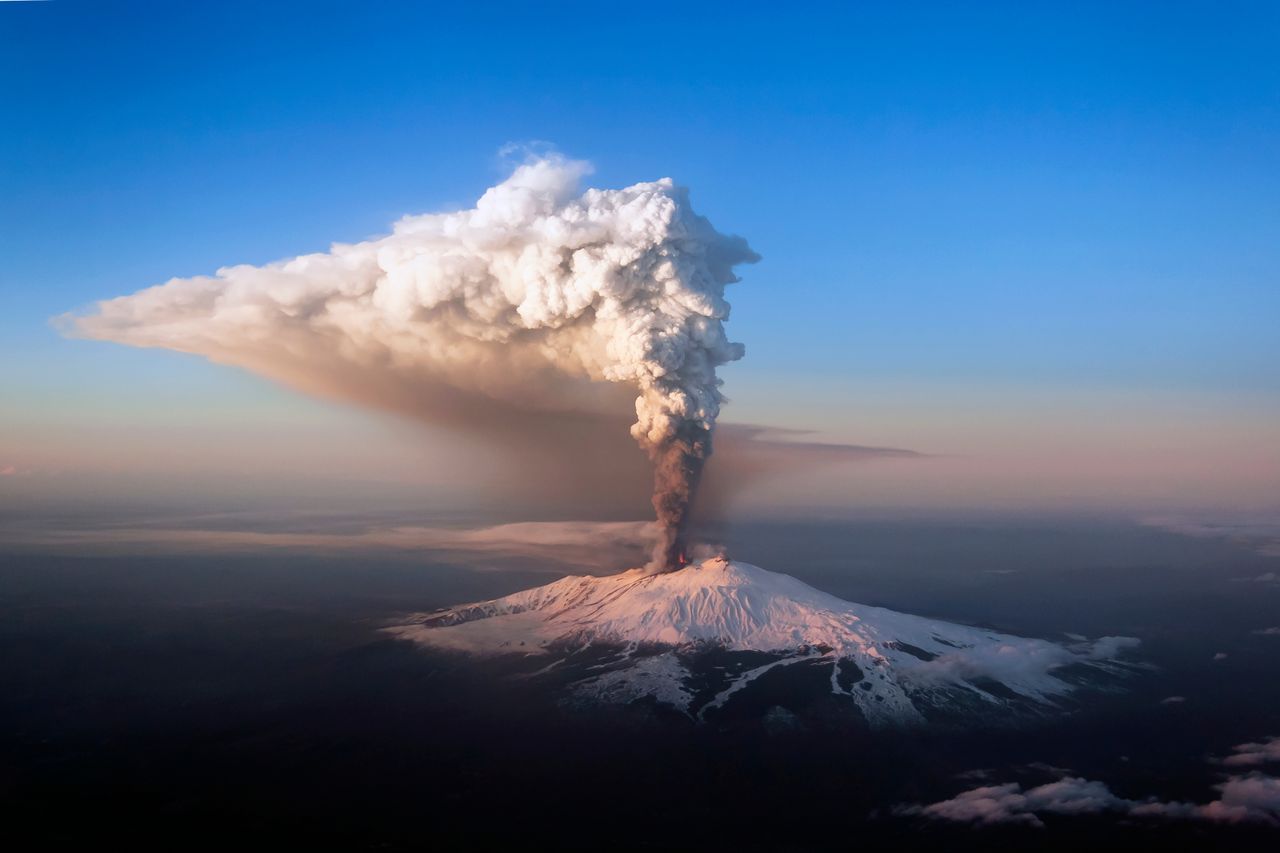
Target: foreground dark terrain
x,y
250,699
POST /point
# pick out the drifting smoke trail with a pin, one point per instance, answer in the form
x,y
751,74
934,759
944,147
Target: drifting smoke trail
x,y
536,299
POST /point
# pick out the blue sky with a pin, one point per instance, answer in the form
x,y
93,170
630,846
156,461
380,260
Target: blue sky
x,y
1056,198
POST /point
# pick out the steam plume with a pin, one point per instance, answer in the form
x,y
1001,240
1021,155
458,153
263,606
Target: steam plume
x,y
539,299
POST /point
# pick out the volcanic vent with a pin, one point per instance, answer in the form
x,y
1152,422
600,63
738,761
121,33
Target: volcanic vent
x,y
698,638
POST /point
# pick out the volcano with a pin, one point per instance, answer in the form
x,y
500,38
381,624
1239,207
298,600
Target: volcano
x,y
709,635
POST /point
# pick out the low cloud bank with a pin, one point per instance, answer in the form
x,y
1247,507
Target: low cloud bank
x,y
1254,754
1253,797
1261,535
1023,666
604,545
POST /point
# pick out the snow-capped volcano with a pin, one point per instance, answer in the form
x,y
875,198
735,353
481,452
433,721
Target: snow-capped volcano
x,y
695,638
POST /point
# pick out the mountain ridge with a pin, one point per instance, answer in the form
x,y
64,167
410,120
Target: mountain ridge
x,y
893,666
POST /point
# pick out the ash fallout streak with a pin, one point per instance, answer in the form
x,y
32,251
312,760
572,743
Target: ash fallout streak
x,y
539,300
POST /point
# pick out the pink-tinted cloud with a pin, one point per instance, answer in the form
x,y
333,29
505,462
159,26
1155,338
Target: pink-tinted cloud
x,y
1254,798
586,544
1254,754
1249,798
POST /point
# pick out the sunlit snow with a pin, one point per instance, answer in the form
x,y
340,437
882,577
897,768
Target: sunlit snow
x,y
904,663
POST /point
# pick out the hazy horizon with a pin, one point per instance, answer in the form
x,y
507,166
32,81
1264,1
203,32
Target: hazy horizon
x,y
681,426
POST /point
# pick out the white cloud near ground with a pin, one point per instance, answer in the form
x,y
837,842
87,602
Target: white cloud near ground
x,y
1261,535
1252,797
1010,803
1022,666
591,544
1254,754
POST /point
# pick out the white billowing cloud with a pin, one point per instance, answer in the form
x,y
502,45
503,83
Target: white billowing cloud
x,y
1022,666
1107,648
1254,754
1010,803
1254,798
1249,798
1261,534
541,298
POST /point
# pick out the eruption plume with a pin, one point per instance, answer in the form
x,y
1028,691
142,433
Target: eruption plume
x,y
540,300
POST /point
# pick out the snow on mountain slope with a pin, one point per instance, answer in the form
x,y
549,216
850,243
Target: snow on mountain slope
x,y
891,665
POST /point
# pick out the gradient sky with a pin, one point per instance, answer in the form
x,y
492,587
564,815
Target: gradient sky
x,y
1042,243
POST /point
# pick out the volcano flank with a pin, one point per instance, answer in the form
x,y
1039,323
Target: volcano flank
x,y
708,637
